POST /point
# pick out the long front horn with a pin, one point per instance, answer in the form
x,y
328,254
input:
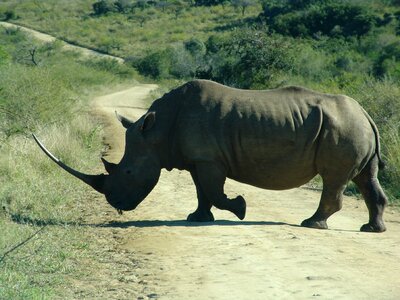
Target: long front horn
x,y
95,181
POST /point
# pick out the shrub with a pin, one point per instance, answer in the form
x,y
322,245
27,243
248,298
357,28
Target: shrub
x,y
329,18
195,46
388,62
155,65
174,61
8,15
124,6
208,2
103,7
254,57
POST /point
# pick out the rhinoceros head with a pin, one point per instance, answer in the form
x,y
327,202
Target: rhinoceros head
x,y
129,182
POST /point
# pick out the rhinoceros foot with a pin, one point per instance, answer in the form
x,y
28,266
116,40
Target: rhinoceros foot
x,y
373,227
200,216
311,223
240,207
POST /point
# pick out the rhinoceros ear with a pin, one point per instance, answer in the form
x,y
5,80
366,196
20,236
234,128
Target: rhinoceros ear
x,y
125,121
149,120
108,166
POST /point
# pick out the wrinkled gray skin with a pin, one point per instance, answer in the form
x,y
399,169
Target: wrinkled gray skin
x,y
273,139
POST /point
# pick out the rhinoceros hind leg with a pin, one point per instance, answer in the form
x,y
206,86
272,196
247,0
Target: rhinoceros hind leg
x,y
373,227
331,202
310,223
240,210
374,197
200,216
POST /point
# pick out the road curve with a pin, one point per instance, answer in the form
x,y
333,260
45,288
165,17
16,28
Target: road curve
x,y
66,46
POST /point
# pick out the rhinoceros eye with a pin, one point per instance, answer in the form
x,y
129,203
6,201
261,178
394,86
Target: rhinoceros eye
x,y
129,172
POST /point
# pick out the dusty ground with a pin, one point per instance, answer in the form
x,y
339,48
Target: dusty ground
x,y
154,253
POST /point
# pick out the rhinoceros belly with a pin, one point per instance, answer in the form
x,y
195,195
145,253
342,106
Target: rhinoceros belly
x,y
279,174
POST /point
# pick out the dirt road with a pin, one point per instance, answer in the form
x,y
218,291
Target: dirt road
x,y
155,254
65,45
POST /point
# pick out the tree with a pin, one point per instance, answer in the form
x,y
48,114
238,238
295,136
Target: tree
x,y
155,65
8,15
103,7
123,6
243,4
388,62
251,58
178,6
163,5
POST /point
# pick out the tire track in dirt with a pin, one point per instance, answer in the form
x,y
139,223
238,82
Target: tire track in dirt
x,y
265,256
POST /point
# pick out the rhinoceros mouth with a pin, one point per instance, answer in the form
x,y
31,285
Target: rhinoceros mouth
x,y
121,206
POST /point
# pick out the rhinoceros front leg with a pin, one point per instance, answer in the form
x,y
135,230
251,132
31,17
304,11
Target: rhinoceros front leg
x,y
203,212
211,179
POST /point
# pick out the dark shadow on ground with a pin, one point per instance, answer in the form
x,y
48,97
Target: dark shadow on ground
x,y
26,220
184,223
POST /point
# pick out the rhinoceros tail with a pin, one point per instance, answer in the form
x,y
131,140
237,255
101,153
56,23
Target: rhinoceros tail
x,y
381,163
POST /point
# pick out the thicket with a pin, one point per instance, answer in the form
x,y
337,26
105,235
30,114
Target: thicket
x,y
316,17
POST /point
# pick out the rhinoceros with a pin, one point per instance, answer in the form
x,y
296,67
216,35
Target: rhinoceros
x,y
272,139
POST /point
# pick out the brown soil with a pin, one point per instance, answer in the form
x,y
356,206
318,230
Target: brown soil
x,y
153,253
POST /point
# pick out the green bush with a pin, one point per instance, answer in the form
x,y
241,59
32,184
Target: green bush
x,y
8,15
103,7
326,17
155,65
208,2
388,62
253,58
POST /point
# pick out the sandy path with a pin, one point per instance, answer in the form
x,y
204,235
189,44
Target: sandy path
x,y
266,256
65,45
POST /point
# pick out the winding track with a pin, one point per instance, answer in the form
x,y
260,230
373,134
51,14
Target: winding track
x,y
65,45
153,253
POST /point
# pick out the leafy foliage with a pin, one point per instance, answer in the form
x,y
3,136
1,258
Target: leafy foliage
x,y
103,7
311,17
